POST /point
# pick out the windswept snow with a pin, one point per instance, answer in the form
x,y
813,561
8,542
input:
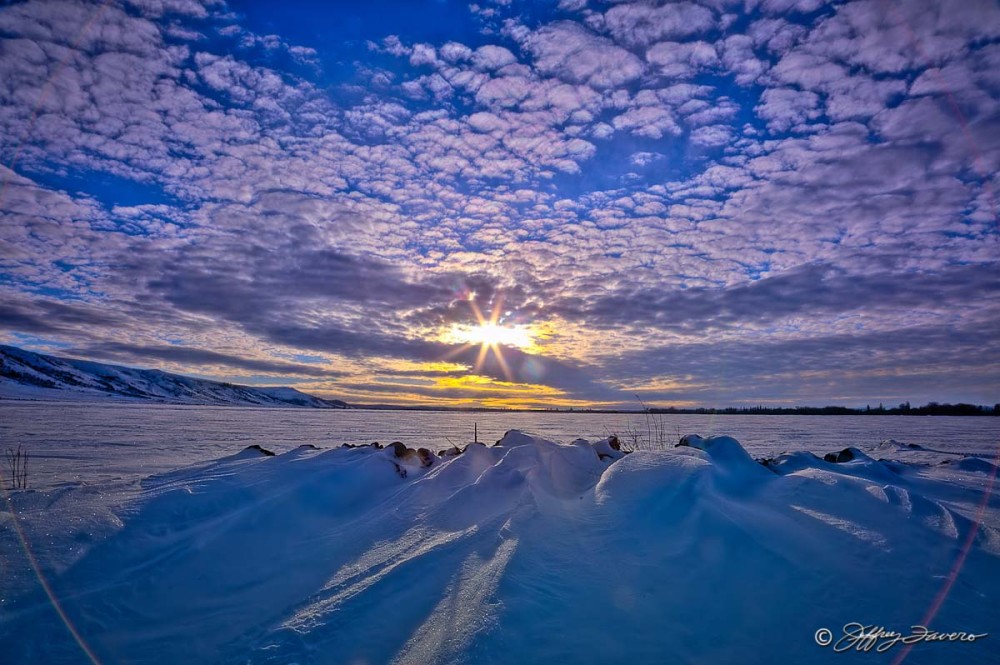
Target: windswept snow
x,y
526,551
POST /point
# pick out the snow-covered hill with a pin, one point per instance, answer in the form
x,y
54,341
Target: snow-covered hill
x,y
524,552
26,375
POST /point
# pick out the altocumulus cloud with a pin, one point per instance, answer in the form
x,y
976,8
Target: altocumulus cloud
x,y
700,201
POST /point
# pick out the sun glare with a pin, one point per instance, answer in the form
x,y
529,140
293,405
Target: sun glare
x,y
491,334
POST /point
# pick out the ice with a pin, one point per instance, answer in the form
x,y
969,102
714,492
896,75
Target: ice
x,y
525,551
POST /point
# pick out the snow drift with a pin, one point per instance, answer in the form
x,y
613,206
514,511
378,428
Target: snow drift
x,y
526,551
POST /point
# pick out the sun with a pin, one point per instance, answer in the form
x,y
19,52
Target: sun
x,y
490,334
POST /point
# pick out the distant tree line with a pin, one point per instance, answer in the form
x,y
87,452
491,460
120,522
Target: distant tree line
x,y
904,409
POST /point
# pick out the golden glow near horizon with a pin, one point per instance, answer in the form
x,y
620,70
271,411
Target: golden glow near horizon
x,y
469,391
485,384
498,360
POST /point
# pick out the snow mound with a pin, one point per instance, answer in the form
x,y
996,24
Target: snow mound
x,y
893,446
525,551
973,464
726,452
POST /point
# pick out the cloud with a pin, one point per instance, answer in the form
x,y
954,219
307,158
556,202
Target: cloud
x,y
810,291
682,60
640,24
916,363
48,317
124,352
784,108
625,176
644,158
741,60
916,34
491,57
573,53
712,136
786,6
648,117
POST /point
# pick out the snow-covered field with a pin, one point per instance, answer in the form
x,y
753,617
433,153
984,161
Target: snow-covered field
x,y
122,442
528,551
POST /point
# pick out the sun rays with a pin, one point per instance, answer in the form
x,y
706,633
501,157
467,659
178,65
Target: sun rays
x,y
491,335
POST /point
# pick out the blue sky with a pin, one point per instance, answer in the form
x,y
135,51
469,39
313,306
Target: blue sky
x,y
712,202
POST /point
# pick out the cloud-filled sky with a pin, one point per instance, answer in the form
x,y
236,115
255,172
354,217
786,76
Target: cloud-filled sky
x,y
703,202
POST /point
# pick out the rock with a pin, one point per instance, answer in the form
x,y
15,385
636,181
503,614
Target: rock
x,y
689,441
263,451
845,455
421,456
607,449
426,456
768,463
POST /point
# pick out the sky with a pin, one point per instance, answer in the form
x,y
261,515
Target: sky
x,y
508,203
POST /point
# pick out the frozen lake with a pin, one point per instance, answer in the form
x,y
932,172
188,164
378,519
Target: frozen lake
x,y
87,442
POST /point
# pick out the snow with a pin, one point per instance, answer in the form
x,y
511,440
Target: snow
x,y
26,375
525,551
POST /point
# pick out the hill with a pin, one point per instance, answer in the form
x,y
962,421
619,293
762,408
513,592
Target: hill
x,y
28,375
